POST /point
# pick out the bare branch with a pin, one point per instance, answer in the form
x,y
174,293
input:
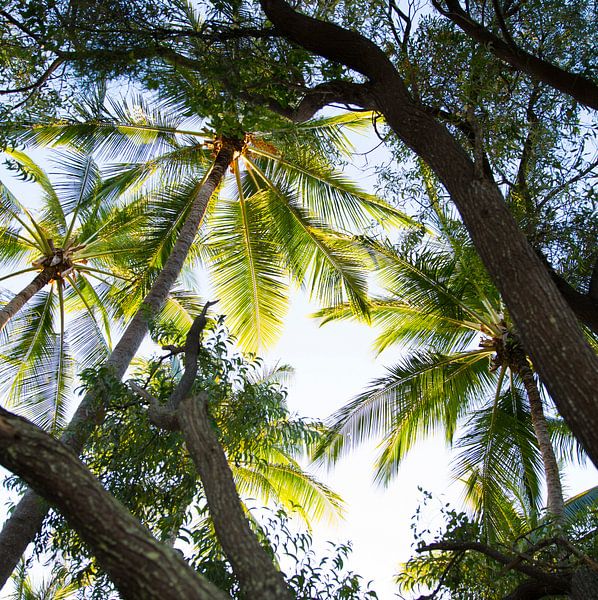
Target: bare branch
x,y
40,81
192,342
555,581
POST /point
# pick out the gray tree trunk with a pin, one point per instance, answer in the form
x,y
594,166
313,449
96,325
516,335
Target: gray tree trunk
x,y
554,489
19,300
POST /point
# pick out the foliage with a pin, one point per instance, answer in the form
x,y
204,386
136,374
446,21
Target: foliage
x,y
459,374
473,575
284,217
149,470
71,319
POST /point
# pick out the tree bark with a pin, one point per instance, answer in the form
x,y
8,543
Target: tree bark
x,y
187,413
555,502
584,584
139,566
20,299
547,326
17,535
257,575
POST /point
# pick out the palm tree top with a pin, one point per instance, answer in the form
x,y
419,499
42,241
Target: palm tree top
x,y
284,215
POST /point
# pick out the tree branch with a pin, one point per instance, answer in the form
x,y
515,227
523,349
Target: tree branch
x,y
581,88
257,575
39,82
139,566
556,582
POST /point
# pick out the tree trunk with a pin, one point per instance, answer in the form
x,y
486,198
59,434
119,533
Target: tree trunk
x,y
546,324
584,584
554,489
257,575
139,566
16,536
16,303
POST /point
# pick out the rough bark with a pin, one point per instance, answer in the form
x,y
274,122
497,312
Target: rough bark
x,y
555,502
138,565
577,86
547,326
584,584
19,300
257,575
14,539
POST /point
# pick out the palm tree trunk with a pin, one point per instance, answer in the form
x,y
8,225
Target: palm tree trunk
x,y
555,502
16,534
15,305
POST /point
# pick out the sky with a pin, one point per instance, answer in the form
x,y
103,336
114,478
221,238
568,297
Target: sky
x,y
332,364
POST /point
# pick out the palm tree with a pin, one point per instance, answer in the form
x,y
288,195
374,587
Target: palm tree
x,y
77,249
284,215
464,372
282,222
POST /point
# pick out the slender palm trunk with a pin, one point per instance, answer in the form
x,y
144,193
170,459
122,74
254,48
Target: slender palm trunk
x,y
20,529
15,305
555,502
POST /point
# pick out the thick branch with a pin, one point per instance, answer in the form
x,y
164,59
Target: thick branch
x,y
192,342
581,88
557,583
139,566
258,576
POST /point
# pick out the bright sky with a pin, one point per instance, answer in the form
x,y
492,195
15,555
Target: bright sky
x,y
333,363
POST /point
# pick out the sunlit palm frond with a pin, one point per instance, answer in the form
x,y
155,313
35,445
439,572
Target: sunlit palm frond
x,y
327,194
248,272
160,171
77,185
132,131
288,485
499,456
422,394
37,370
566,446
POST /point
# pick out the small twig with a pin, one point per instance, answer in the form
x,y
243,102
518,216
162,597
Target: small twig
x,y
192,344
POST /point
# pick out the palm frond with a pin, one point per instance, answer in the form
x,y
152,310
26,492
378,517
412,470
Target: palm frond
x,y
248,272
424,392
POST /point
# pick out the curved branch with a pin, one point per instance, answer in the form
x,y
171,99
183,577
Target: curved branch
x,y
555,581
577,86
39,82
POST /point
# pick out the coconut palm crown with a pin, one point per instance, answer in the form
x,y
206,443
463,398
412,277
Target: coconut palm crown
x,y
284,216
463,372
77,249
